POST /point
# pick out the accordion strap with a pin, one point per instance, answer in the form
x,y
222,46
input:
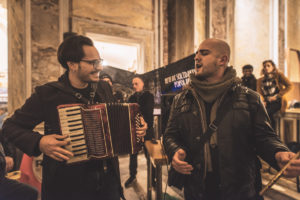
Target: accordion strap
x,y
213,126
69,90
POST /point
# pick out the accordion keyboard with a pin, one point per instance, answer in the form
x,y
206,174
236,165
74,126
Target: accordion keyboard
x,y
72,125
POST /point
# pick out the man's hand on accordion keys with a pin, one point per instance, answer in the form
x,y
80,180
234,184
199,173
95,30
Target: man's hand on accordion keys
x,y
52,146
141,130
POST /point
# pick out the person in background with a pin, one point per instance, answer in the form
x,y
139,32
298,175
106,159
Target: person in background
x,y
248,79
12,189
107,78
225,164
273,86
117,94
12,155
146,102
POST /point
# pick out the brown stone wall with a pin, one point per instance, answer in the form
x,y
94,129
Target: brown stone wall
x,y
171,31
181,29
165,33
128,19
293,42
16,66
293,39
201,22
219,19
45,40
281,35
140,36
184,28
134,13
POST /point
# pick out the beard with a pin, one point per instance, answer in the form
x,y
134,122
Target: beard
x,y
88,77
206,71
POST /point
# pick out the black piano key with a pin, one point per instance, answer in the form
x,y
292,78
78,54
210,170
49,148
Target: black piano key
x,y
72,125
75,129
74,140
75,120
69,115
80,154
77,150
77,135
74,109
79,145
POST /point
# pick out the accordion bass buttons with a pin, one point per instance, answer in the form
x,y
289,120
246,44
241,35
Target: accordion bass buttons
x,y
138,124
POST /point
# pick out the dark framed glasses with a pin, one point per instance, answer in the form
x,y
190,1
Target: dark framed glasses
x,y
95,63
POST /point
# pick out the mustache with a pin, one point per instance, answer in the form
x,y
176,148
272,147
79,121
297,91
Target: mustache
x,y
95,72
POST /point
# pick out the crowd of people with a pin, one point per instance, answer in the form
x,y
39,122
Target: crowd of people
x,y
217,128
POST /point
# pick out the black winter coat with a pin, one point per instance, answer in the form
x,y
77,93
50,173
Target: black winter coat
x,y
2,163
146,101
244,133
249,82
42,107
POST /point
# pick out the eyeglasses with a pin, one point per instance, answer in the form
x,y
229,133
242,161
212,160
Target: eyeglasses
x,y
95,63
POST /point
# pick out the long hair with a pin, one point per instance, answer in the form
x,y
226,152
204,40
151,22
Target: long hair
x,y
263,70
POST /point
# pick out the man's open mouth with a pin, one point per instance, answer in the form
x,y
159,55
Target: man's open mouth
x,y
198,66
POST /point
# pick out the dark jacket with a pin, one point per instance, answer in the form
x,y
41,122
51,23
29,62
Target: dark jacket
x,y
11,151
2,163
243,134
146,101
42,107
249,82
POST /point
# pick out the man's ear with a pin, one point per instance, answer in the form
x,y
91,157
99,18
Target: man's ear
x,y
224,60
73,66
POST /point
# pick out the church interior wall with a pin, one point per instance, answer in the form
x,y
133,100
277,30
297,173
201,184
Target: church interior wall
x,y
244,24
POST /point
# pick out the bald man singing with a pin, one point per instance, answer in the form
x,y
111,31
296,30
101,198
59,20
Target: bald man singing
x,y
216,130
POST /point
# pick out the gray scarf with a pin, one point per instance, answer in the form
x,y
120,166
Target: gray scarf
x,y
209,92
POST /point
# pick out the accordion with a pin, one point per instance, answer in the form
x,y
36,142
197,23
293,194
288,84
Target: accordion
x,y
100,131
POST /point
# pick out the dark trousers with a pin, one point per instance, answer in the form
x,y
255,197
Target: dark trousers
x,y
195,190
109,190
272,108
14,190
133,165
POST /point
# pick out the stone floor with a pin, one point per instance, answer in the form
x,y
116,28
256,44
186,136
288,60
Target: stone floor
x,y
285,189
138,191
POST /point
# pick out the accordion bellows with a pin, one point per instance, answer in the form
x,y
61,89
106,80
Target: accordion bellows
x,y
100,131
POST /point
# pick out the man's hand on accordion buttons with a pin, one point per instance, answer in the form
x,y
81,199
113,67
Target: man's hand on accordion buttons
x,y
141,131
51,145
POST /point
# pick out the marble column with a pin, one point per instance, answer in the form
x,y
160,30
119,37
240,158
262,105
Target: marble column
x,y
17,87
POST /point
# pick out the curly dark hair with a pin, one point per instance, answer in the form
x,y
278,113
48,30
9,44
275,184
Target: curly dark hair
x,y
247,67
71,49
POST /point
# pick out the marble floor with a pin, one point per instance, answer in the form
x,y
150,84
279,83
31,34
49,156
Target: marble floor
x,y
138,190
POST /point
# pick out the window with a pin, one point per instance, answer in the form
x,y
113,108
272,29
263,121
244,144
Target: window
x,y
3,52
118,52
